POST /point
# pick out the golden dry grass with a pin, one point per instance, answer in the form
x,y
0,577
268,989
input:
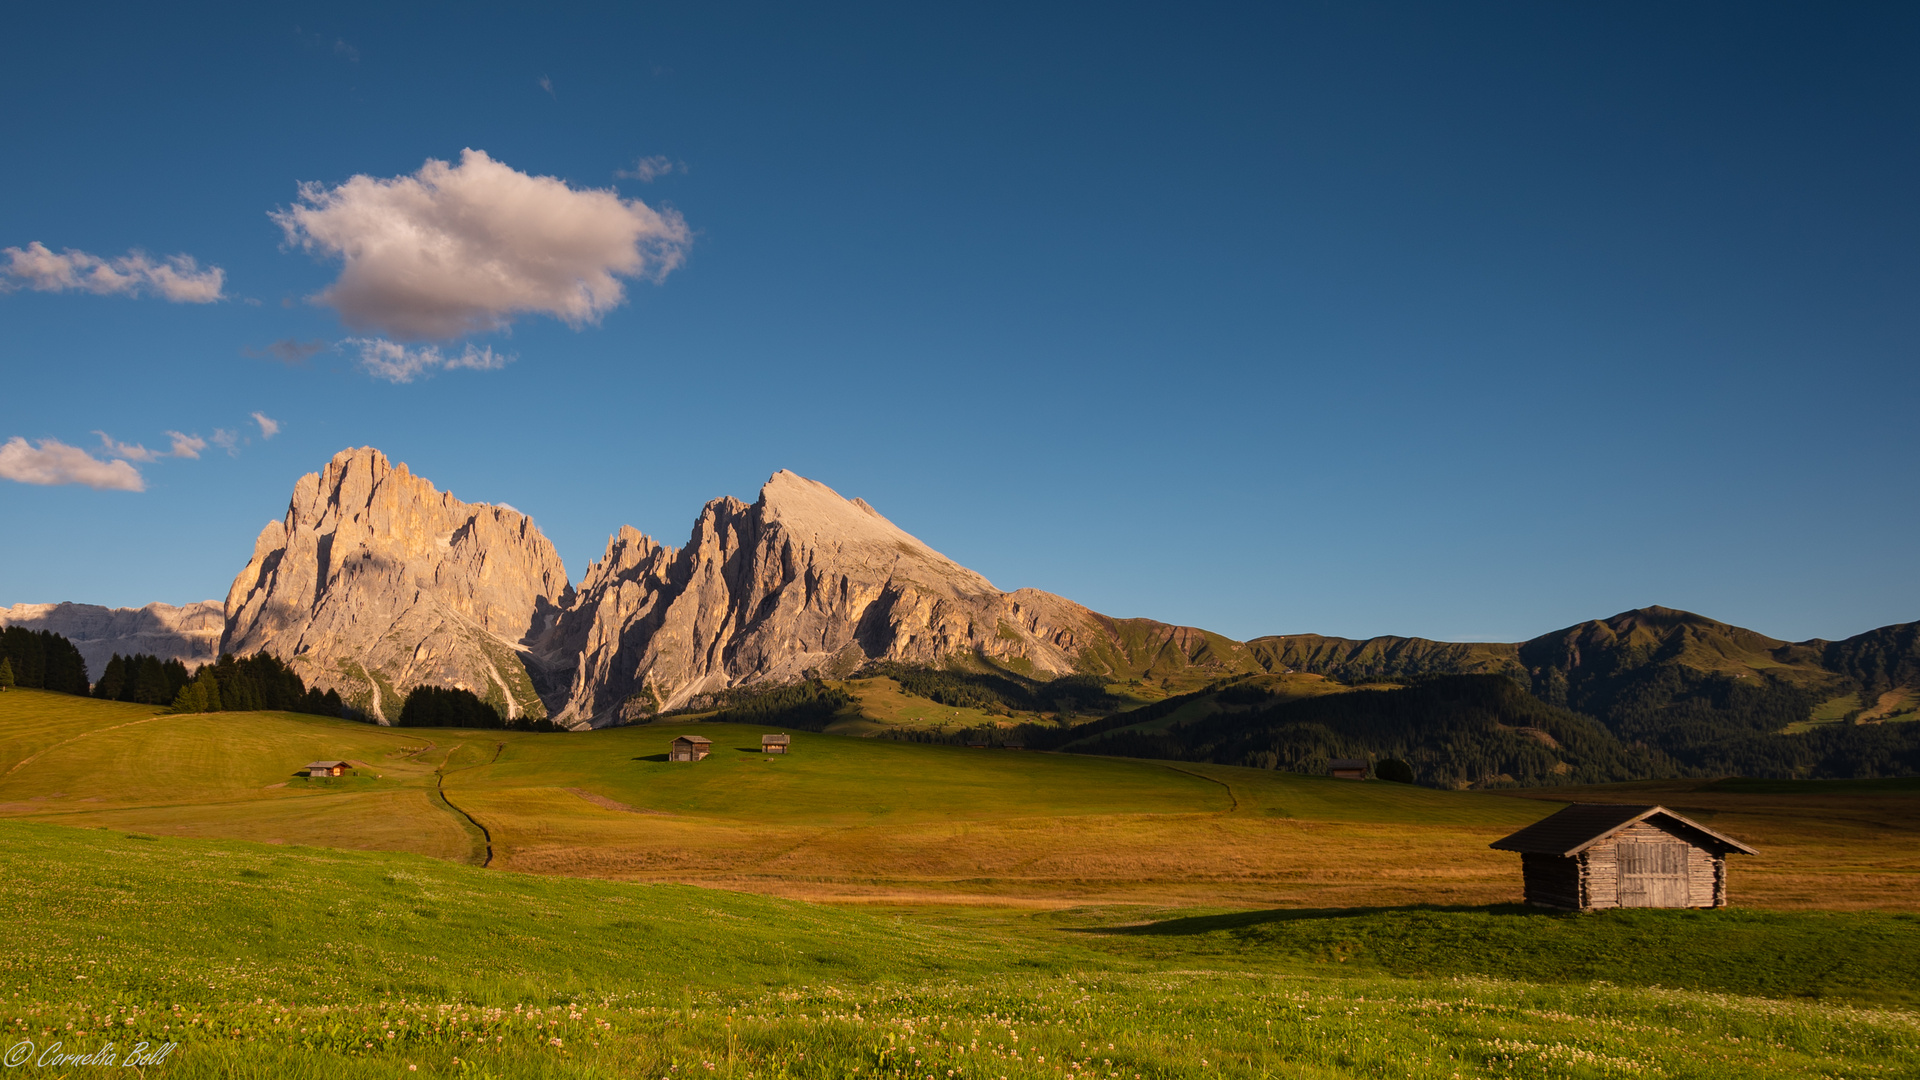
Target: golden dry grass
x,y
864,820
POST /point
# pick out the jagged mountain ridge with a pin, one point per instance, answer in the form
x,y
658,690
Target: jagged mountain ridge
x,y
374,582
189,634
802,583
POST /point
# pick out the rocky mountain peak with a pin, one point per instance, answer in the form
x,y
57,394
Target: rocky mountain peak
x,y
375,582
815,517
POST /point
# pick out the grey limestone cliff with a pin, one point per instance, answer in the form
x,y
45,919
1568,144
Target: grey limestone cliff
x,y
374,583
802,582
189,634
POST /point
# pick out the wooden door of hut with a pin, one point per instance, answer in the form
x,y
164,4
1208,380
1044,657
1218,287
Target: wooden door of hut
x,y
1652,875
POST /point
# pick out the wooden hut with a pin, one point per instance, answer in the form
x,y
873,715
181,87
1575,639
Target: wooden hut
x,y
979,742
690,748
775,744
328,768
1347,768
1602,855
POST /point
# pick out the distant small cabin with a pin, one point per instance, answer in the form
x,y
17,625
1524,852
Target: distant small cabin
x,y
1601,855
328,768
978,742
690,748
775,744
1014,744
1346,768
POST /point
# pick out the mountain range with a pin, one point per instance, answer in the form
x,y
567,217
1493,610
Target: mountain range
x,y
374,582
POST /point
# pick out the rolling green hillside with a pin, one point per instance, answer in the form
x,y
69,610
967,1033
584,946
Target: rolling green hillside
x,y
1711,696
858,818
299,962
1457,731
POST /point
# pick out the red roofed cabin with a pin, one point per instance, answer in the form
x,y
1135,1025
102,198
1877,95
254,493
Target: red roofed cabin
x,y
328,768
690,748
1599,855
1346,768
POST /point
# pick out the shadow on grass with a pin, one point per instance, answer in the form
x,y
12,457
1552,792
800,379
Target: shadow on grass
x,y
1207,924
652,757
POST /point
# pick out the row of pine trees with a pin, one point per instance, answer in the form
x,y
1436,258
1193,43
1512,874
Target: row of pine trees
x,y
41,660
227,685
44,660
260,681
141,678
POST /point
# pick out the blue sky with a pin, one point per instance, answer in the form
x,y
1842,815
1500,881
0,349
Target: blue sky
x,y
1464,321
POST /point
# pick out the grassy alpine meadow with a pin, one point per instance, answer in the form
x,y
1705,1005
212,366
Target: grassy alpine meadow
x,y
510,904
878,821
281,961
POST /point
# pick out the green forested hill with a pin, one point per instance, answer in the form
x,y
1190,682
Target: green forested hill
x,y
1674,692
1455,730
1354,661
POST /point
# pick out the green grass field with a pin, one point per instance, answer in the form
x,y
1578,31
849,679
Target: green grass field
x,y
265,961
173,878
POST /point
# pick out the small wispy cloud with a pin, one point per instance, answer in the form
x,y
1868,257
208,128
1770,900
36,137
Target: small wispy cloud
x,y
269,427
186,446
649,169
289,351
51,462
228,440
345,51
177,278
127,451
397,363
547,85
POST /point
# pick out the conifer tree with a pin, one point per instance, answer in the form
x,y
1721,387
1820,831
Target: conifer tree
x,y
6,674
150,682
192,698
112,680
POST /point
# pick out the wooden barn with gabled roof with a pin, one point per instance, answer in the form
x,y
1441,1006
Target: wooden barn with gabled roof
x,y
689,748
1603,855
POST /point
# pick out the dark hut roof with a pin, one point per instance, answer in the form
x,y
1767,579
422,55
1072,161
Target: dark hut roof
x,y
1346,763
326,764
775,740
693,739
1582,825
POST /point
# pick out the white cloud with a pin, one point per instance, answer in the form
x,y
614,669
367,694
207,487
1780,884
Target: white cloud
x,y
395,362
187,446
452,250
179,278
647,169
54,462
547,85
227,440
129,451
269,427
